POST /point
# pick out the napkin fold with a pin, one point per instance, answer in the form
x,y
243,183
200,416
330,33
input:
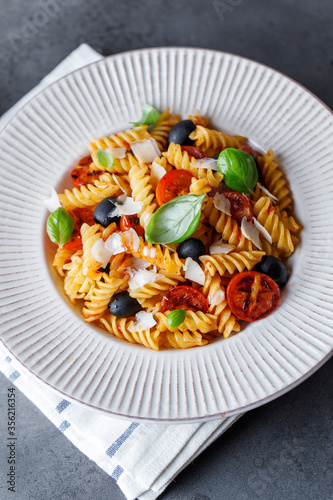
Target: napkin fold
x,y
142,457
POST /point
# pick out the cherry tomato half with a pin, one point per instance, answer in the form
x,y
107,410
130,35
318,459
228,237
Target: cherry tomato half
x,y
83,174
240,206
252,295
195,152
174,183
184,297
80,215
128,221
250,151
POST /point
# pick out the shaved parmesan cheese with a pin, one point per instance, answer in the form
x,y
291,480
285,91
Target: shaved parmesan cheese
x,y
250,232
222,203
262,230
146,150
117,152
152,253
121,199
117,181
144,320
114,244
193,271
100,253
52,202
145,251
220,247
265,190
128,207
141,278
137,264
156,173
207,163
132,239
217,298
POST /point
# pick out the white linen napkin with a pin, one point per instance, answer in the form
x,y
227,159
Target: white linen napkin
x,y
128,452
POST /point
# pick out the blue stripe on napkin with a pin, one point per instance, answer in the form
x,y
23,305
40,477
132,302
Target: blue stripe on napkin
x,y
117,472
117,444
8,359
62,405
13,376
64,425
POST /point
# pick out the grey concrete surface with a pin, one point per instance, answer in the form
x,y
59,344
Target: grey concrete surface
x,y
282,450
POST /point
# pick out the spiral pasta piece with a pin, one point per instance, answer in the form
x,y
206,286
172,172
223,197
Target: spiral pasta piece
x,y
194,321
142,190
231,263
90,234
226,321
76,285
275,180
214,178
123,329
91,194
61,257
289,221
183,340
100,294
267,216
200,186
181,160
165,281
120,165
154,254
121,139
213,141
162,127
227,227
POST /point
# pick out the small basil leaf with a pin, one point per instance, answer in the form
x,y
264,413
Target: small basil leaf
x,y
176,318
176,220
149,115
239,170
60,226
105,159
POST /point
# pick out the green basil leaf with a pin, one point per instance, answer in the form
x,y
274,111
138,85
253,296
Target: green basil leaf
x,y
176,318
105,159
149,115
60,226
176,220
239,170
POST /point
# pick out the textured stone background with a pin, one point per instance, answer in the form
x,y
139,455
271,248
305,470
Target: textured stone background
x,y
282,450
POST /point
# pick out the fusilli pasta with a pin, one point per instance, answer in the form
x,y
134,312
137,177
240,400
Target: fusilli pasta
x,y
117,257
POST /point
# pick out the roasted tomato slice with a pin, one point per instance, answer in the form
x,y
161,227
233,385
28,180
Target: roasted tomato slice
x,y
128,221
252,295
184,297
85,161
250,150
240,206
80,215
174,183
194,151
83,174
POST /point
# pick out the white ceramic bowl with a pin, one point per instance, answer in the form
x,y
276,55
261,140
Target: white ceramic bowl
x,y
39,326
